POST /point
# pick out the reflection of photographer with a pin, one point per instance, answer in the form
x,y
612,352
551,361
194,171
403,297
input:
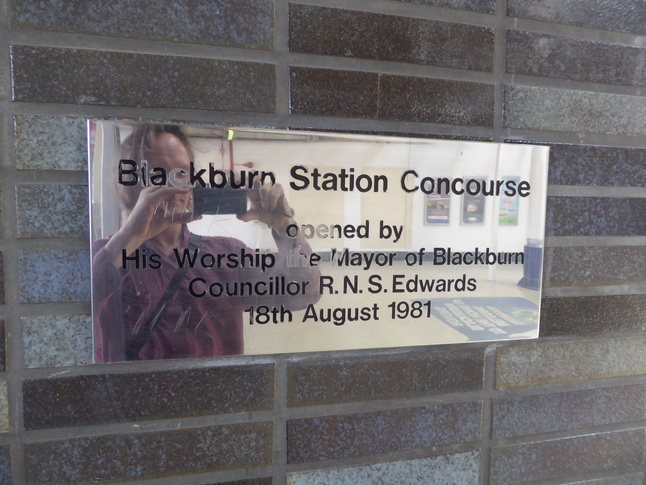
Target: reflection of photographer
x,y
143,309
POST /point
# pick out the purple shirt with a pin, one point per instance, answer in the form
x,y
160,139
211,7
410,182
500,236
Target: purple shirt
x,y
192,325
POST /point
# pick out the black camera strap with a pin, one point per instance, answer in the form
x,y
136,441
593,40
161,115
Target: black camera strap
x,y
132,351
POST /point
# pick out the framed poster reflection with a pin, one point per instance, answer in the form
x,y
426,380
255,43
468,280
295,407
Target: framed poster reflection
x,y
437,210
473,206
508,208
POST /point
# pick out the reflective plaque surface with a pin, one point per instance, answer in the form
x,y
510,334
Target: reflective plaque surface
x,y
217,241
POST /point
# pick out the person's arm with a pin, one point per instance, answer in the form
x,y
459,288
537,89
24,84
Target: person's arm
x,y
269,204
147,219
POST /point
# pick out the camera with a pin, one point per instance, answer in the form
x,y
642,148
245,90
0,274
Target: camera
x,y
216,201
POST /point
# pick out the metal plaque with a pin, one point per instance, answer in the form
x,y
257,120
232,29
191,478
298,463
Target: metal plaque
x,y
214,241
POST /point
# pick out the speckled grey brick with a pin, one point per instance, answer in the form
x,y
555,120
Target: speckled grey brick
x,y
42,74
568,410
334,437
445,469
597,165
574,111
548,363
595,216
484,6
52,211
363,35
384,376
58,340
114,398
578,60
624,16
51,143
149,455
5,465
328,92
567,457
245,23
594,266
435,101
589,315
53,276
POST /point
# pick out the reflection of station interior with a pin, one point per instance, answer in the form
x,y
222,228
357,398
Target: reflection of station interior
x,y
502,308
504,294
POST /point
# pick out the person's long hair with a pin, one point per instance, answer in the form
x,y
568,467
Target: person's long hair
x,y
138,146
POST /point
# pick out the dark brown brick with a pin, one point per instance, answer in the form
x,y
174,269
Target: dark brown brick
x,y
149,455
616,479
588,315
333,437
385,97
363,35
567,457
385,376
2,297
52,75
328,92
595,216
624,16
574,111
484,6
594,266
578,60
5,465
435,101
597,165
568,410
3,348
243,23
250,481
551,363
114,398
453,468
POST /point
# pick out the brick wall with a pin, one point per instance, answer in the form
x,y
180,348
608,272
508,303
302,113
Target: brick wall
x,y
569,407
